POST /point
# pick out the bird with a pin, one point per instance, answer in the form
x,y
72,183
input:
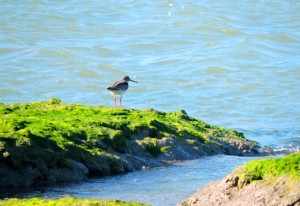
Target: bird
x,y
119,88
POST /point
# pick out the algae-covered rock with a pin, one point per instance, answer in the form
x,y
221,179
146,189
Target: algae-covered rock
x,y
259,182
66,201
45,142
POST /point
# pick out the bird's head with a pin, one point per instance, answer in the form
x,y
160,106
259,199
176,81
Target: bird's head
x,y
127,79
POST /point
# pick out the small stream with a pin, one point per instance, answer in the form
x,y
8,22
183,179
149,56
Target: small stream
x,y
157,186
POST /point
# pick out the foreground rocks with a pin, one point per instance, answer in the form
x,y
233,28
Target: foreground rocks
x,y
66,201
50,142
257,183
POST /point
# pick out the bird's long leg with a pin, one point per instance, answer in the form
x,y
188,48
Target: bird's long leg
x,y
115,99
121,101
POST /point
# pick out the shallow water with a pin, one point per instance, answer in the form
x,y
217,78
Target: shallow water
x,y
158,186
235,64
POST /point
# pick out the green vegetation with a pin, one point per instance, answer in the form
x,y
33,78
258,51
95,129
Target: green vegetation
x,y
68,201
152,147
41,136
256,170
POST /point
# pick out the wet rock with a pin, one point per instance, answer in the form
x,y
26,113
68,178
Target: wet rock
x,y
30,176
12,178
77,173
140,163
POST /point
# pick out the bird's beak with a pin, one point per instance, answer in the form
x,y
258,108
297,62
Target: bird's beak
x,y
133,81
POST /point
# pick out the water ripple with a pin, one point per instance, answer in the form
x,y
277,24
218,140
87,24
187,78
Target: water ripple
x,y
231,64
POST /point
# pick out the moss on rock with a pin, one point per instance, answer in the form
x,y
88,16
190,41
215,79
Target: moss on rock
x,y
256,170
40,139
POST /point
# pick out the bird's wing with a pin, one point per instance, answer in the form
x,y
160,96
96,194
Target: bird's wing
x,y
122,86
119,86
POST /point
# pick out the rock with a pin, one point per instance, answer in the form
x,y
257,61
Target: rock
x,y
176,151
266,192
30,176
242,189
141,163
13,178
78,173
42,142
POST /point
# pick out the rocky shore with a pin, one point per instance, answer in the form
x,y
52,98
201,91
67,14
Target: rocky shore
x,y
54,142
272,182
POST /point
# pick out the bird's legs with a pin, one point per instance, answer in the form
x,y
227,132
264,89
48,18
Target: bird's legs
x,y
115,99
121,101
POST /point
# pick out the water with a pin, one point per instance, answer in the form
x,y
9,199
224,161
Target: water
x,y
235,64
157,186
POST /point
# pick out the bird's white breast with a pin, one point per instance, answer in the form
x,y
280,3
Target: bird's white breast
x,y
117,92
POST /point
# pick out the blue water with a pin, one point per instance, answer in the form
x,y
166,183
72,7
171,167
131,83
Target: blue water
x,y
230,63
156,186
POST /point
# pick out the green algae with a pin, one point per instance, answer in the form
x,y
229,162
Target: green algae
x,y
68,201
257,170
47,135
152,146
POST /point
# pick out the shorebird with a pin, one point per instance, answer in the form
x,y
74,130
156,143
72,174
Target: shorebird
x,y
119,88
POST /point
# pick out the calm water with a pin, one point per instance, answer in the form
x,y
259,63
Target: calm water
x,y
159,186
230,63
